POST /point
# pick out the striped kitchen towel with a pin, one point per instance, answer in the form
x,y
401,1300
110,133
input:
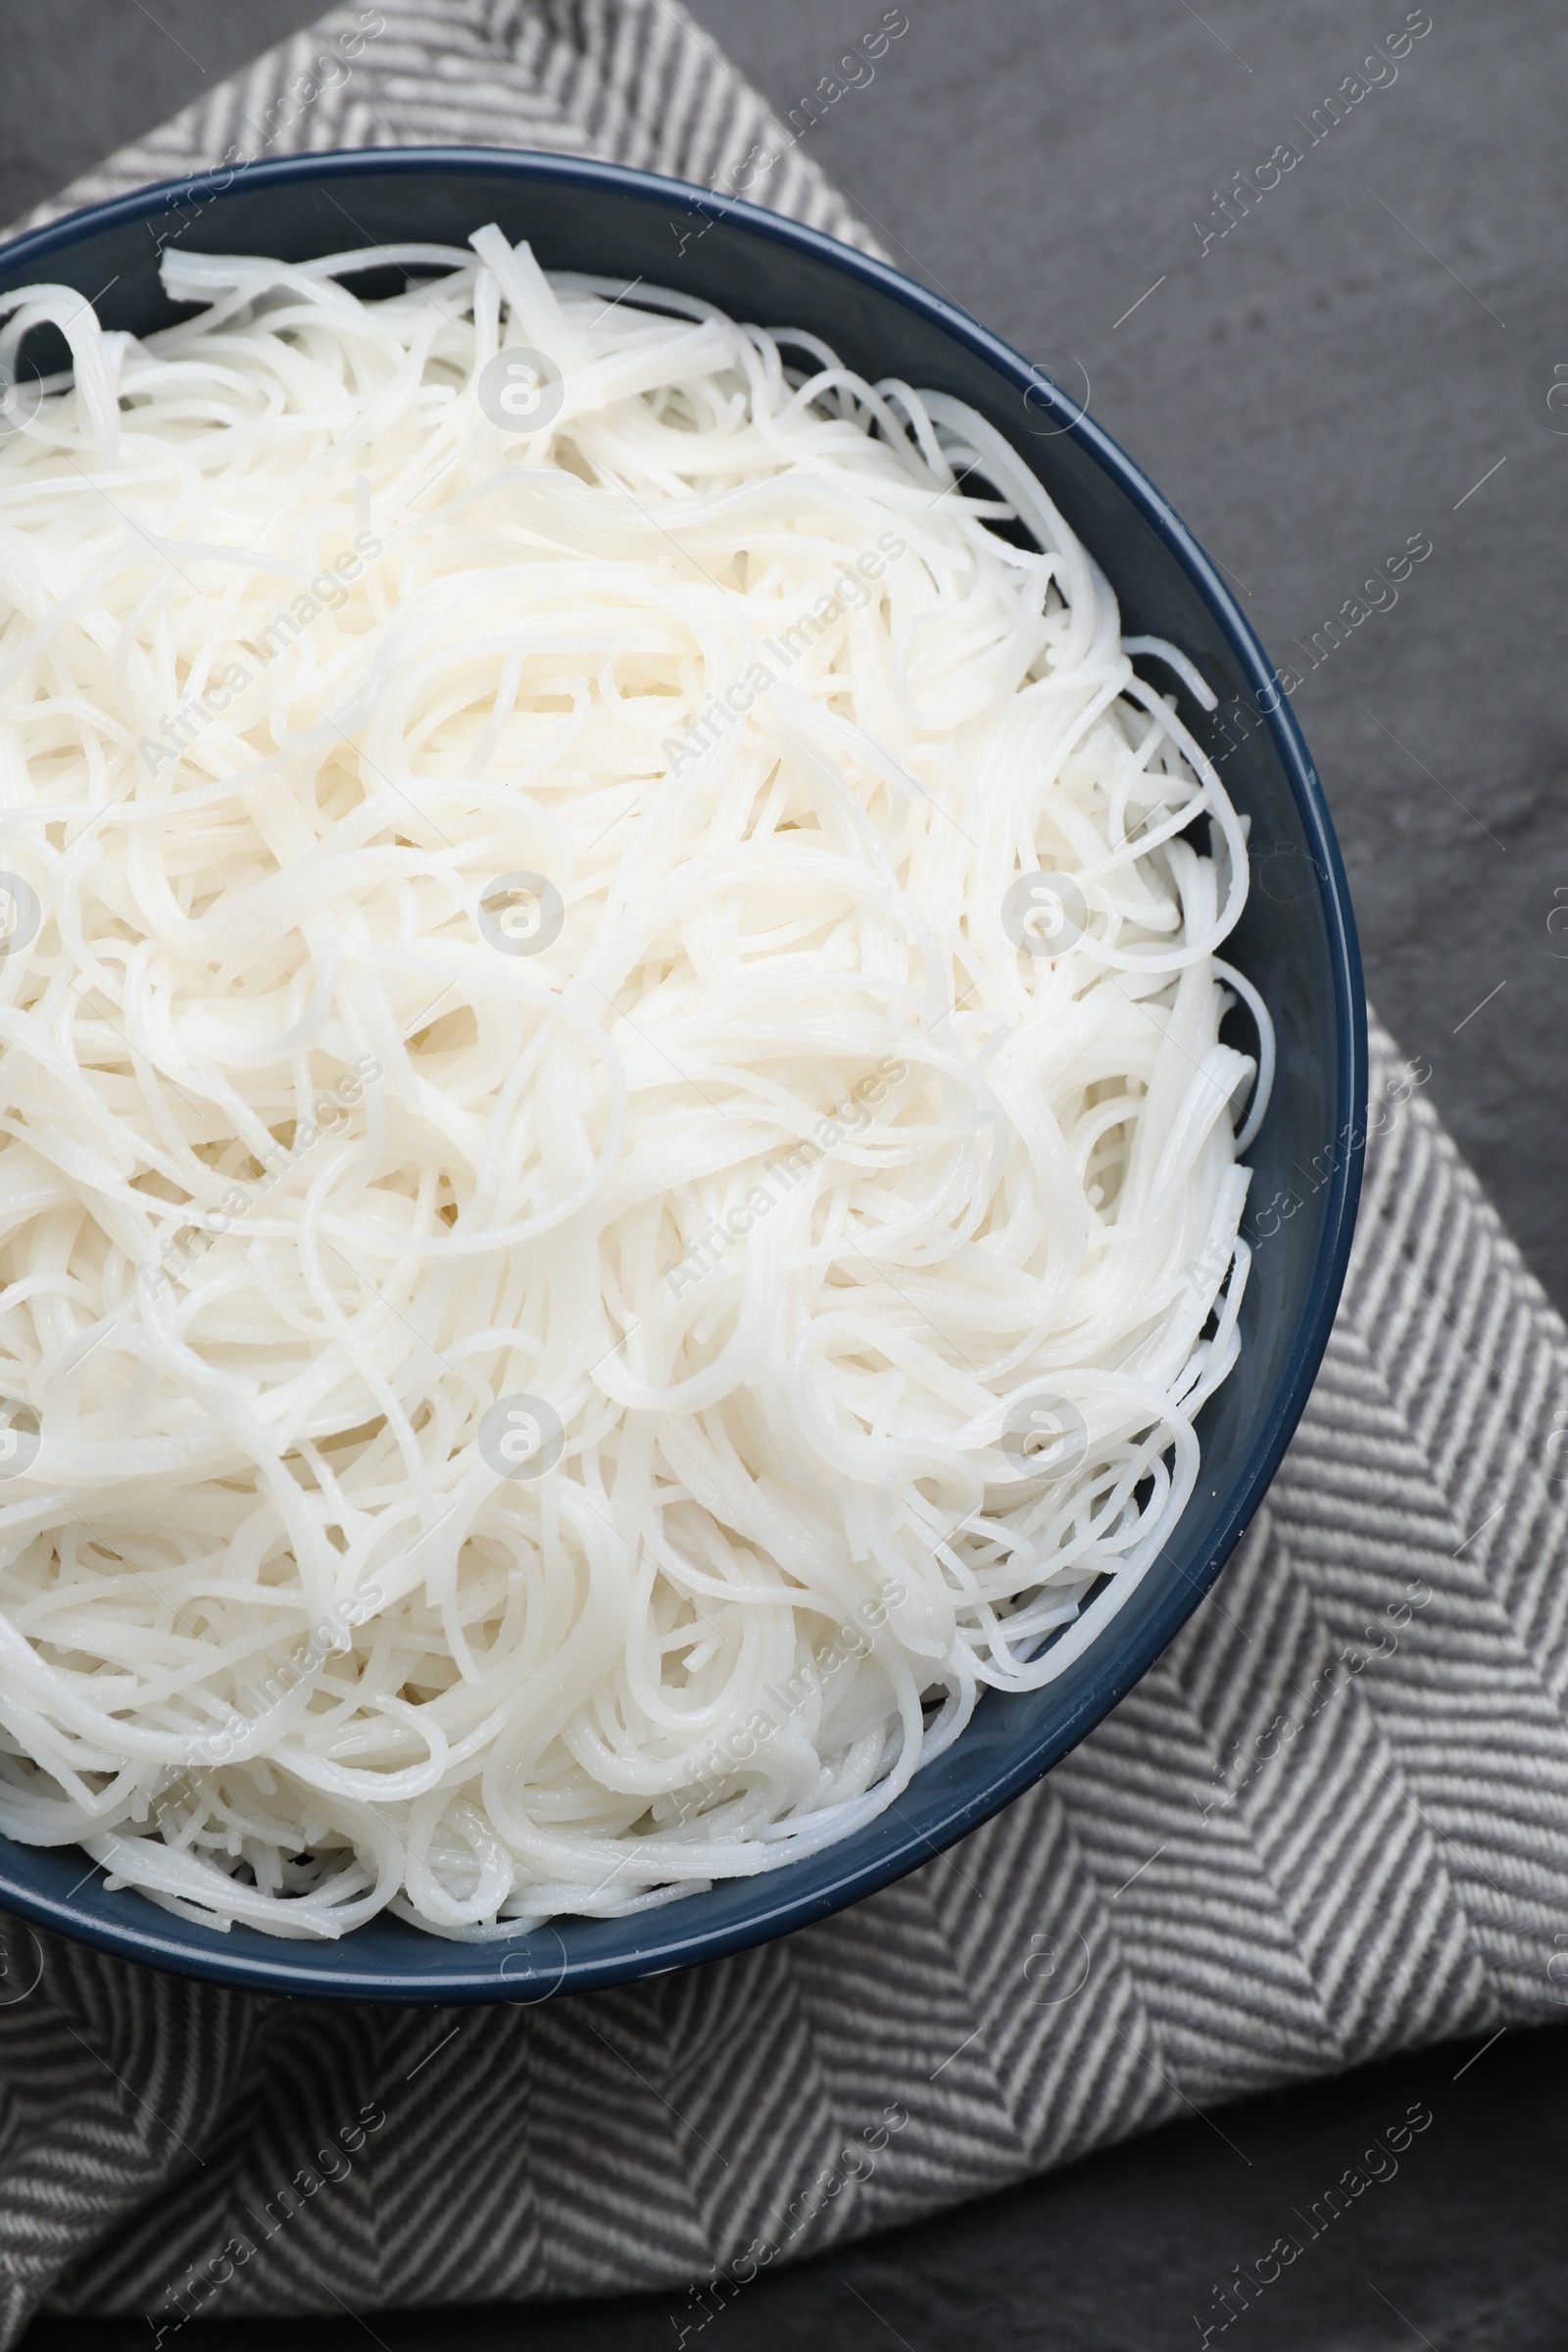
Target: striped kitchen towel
x,y
1331,1822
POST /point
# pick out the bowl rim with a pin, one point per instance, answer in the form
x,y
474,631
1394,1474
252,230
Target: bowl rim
x,y
149,1935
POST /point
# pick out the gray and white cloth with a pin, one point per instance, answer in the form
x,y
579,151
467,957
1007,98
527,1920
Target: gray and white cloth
x,y
1332,1823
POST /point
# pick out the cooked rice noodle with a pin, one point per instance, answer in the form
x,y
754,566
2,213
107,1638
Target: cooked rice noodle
x,y
759,1146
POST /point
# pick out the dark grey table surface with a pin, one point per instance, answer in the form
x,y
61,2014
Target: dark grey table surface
x,y
1361,358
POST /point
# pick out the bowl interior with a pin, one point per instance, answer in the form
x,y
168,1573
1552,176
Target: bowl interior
x,y
1295,941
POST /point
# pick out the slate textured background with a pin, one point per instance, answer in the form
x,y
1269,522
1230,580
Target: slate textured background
x,y
1362,358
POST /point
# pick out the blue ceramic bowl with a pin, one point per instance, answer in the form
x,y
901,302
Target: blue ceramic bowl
x,y
1296,942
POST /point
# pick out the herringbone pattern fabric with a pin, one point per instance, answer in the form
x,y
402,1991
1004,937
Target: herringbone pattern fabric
x,y
1283,1855
633,80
